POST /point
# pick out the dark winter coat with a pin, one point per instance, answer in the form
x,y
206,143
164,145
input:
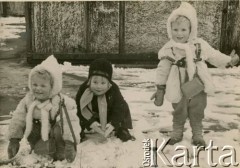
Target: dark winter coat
x,y
118,113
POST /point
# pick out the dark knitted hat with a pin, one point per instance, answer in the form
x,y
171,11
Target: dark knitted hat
x,y
101,67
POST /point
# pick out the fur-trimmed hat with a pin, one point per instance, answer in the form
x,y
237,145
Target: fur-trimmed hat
x,y
187,10
101,67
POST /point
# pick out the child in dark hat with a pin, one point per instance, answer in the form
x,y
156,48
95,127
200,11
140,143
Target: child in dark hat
x,y
100,104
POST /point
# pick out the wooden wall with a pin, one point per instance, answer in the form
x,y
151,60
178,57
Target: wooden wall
x,y
104,27
12,8
99,27
58,27
146,23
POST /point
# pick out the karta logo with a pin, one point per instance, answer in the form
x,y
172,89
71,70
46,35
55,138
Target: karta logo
x,y
152,153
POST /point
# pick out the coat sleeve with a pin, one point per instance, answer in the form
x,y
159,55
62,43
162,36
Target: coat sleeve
x,y
72,112
120,114
164,65
214,56
162,71
18,122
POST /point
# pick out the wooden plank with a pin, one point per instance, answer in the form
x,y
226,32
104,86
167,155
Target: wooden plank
x,y
28,25
75,58
235,43
81,56
104,31
223,37
231,41
59,26
121,27
5,6
16,9
88,24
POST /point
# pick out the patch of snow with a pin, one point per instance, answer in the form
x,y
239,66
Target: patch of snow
x,y
9,30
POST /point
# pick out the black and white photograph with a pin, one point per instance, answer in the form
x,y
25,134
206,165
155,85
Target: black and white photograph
x,y
120,84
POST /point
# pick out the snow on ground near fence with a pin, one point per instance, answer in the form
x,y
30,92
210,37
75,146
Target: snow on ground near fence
x,y
10,27
221,123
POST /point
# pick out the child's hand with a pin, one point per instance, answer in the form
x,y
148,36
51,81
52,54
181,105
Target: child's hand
x,y
235,58
13,147
96,127
109,129
70,152
159,95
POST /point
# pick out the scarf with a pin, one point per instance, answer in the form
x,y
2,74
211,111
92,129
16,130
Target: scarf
x,y
48,109
190,55
173,85
86,107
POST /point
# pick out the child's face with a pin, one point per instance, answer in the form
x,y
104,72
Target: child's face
x,y
99,85
180,30
41,87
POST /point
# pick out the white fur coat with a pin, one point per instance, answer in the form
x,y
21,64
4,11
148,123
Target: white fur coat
x,y
30,108
168,75
21,123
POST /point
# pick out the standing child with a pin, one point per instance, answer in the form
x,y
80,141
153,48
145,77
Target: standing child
x,y
100,104
182,59
38,117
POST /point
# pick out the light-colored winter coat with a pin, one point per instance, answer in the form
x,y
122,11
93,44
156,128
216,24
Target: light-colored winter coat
x,y
168,74
21,122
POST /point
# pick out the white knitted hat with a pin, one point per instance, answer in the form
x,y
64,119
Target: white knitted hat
x,y
50,65
187,10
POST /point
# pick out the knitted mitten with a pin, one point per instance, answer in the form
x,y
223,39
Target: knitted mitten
x,y
234,59
59,154
159,95
13,147
70,152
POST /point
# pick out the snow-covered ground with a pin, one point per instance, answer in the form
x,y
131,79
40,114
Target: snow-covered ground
x,y
221,123
10,27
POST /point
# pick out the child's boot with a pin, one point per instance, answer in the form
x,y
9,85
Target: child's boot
x,y
177,133
197,138
60,155
124,135
179,118
60,144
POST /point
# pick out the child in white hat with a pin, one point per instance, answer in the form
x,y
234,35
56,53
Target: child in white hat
x,y
182,59
38,117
